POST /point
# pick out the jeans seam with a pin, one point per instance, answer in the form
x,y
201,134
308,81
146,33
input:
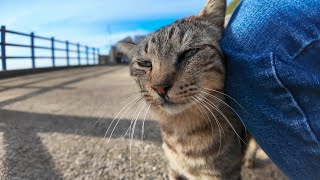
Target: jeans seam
x,y
292,98
309,45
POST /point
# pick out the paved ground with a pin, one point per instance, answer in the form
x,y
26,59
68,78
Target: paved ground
x,y
49,129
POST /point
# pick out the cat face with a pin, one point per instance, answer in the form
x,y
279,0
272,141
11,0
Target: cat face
x,y
177,62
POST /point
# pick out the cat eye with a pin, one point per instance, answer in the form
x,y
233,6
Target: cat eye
x,y
187,54
145,64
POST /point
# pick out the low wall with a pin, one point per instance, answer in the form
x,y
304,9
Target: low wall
x,y
15,73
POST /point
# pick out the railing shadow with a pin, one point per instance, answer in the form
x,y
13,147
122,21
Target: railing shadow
x,y
25,151
26,157
25,154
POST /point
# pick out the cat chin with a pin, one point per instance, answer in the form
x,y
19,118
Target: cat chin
x,y
173,109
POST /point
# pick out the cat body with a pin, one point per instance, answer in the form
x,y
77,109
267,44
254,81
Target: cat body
x,y
192,145
180,71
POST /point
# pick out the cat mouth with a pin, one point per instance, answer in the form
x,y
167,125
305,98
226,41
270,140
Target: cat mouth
x,y
172,107
168,101
165,102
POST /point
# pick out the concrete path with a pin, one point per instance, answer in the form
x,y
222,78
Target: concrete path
x,y
52,126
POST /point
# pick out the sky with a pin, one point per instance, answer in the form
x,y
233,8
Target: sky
x,y
97,23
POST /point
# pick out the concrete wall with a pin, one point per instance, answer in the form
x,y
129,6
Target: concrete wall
x,y
14,73
104,59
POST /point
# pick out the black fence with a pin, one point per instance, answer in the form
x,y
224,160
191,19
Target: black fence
x,y
90,54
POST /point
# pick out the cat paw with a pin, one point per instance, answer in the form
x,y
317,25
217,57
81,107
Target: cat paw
x,y
249,163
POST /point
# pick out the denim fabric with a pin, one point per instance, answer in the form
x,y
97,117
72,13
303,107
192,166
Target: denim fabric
x,y
272,49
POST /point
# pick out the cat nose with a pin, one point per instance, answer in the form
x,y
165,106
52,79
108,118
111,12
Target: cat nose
x,y
162,89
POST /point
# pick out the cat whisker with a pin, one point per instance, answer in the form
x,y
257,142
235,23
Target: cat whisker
x,y
216,119
207,101
132,103
136,119
203,112
96,122
228,97
129,128
193,100
101,116
131,123
132,133
227,106
120,113
129,95
144,119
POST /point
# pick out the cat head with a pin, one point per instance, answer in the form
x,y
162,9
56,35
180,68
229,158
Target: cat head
x,y
178,62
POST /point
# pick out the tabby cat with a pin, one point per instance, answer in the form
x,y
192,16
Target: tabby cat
x,y
180,71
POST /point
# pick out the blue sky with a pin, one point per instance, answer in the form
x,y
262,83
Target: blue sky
x,y
96,23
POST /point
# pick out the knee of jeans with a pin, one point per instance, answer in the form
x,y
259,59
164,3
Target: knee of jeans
x,y
272,26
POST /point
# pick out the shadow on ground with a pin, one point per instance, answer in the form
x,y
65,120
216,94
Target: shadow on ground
x,y
22,142
24,151
27,157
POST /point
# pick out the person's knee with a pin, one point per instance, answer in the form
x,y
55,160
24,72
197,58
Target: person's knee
x,y
272,26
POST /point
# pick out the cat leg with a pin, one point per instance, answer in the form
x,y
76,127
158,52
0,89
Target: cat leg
x,y
173,175
250,153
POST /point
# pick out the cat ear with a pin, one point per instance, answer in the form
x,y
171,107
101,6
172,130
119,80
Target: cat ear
x,y
214,10
127,48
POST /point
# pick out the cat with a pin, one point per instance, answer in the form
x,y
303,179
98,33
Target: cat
x,y
180,72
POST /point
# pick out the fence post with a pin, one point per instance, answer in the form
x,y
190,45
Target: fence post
x,y
3,48
94,55
32,51
79,58
52,53
87,55
98,56
67,49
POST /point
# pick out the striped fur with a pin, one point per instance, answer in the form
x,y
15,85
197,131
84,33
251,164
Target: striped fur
x,y
195,146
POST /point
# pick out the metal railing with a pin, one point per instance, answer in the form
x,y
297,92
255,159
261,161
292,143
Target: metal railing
x,y
89,54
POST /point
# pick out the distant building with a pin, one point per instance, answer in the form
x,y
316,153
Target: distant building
x,y
138,38
116,56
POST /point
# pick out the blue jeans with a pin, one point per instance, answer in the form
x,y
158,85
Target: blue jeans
x,y
272,49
